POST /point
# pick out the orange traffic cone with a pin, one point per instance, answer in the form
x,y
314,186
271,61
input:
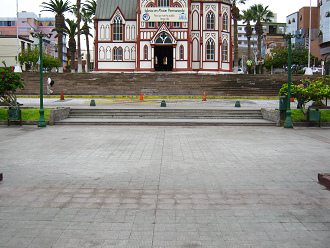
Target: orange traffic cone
x,y
141,96
62,96
204,97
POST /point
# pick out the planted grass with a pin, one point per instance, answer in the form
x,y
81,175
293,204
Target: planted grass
x,y
298,116
28,114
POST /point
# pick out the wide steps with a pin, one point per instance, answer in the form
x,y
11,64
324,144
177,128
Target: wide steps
x,y
166,117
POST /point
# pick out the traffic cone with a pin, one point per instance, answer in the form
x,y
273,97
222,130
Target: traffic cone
x,y
204,97
141,96
62,96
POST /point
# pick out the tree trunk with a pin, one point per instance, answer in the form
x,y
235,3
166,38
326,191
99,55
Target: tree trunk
x,y
59,24
235,46
60,51
78,34
88,54
72,61
249,47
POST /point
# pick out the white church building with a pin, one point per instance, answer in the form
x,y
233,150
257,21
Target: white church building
x,y
163,35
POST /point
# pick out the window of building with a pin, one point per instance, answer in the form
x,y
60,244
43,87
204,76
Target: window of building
x,y
145,52
101,53
210,49
181,52
210,21
163,3
225,22
117,54
117,29
151,24
224,51
176,24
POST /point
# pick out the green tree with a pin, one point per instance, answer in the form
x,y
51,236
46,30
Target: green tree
x,y
260,14
88,12
279,57
59,8
71,30
30,59
247,18
77,11
10,81
236,17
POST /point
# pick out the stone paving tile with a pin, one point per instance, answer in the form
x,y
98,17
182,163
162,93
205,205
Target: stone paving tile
x,y
163,187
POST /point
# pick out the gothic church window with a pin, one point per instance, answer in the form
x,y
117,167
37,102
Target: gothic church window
x,y
117,29
210,50
210,20
225,22
224,51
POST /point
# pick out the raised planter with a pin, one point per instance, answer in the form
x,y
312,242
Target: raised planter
x,y
14,115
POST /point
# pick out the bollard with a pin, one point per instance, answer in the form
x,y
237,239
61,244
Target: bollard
x,y
163,103
141,96
237,104
93,103
204,97
62,96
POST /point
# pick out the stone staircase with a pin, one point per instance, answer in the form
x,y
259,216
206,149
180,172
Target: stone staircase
x,y
167,117
158,84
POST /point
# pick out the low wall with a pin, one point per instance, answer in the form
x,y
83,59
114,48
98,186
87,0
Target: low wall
x,y
158,84
271,115
58,114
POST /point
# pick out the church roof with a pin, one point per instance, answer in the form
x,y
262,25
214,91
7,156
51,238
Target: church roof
x,y
106,8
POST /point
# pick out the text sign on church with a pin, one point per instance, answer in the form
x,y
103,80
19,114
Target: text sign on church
x,y
164,14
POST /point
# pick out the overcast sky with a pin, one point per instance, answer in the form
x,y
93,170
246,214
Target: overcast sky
x,y
281,7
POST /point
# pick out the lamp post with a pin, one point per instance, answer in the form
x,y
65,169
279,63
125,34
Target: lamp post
x,y
40,35
288,119
17,67
309,70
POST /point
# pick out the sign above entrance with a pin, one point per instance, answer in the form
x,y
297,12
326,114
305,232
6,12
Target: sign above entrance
x,y
164,14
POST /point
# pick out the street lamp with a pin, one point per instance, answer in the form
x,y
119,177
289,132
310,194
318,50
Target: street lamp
x,y
40,35
309,70
288,119
17,67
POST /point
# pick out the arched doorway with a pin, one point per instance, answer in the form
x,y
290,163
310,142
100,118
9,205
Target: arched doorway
x,y
163,52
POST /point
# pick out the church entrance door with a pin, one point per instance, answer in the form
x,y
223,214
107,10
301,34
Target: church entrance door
x,y
163,58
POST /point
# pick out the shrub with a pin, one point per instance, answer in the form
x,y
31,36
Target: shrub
x,y
9,83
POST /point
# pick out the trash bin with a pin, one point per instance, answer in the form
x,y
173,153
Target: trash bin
x,y
14,115
283,103
314,115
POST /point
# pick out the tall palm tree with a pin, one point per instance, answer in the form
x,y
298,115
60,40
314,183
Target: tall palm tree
x,y
59,8
236,16
247,17
71,30
260,14
78,15
88,11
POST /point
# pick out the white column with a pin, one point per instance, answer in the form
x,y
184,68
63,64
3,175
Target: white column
x,y
174,57
152,58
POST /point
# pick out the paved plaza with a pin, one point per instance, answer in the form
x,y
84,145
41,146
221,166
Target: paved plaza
x,y
148,187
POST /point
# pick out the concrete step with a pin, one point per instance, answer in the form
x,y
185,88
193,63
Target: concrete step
x,y
166,113
167,122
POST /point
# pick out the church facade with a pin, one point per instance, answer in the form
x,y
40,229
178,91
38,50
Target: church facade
x,y
163,35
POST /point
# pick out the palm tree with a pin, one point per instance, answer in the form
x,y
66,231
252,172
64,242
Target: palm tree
x,y
236,16
71,30
260,14
78,15
88,11
59,8
247,17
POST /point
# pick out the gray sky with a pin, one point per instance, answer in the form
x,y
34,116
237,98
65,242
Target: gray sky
x,y
281,7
